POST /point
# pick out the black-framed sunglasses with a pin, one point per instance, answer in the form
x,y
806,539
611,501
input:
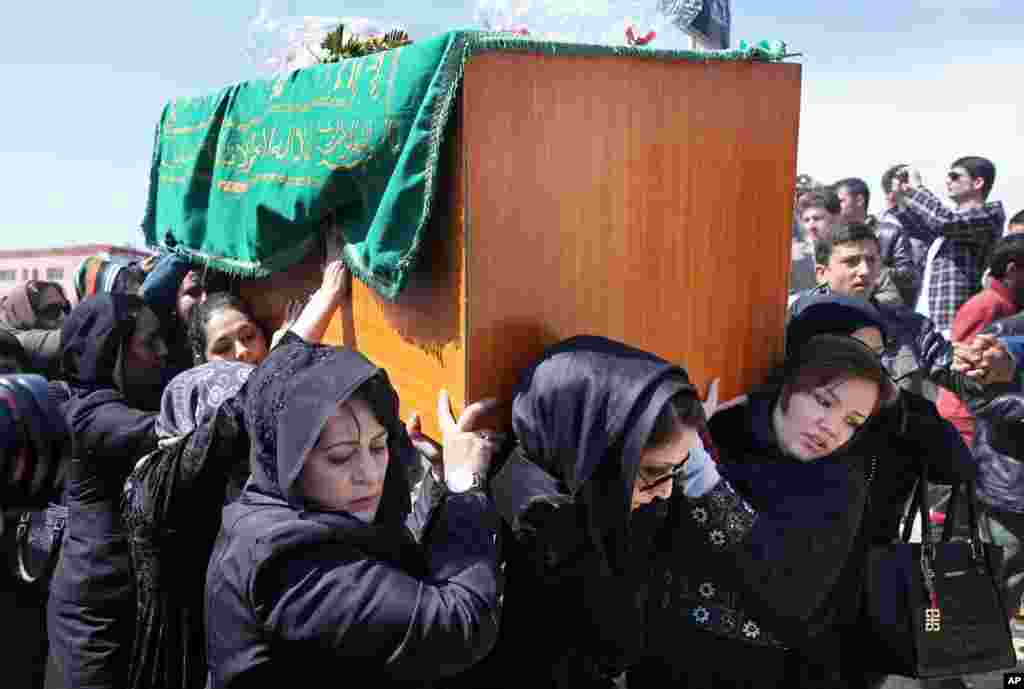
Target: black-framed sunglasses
x,y
646,486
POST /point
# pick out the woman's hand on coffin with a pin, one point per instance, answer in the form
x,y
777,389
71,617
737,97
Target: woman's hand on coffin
x,y
468,449
336,282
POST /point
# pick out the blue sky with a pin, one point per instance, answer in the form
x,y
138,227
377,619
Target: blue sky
x,y
922,81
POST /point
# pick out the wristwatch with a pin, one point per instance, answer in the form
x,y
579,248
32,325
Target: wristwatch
x,y
463,481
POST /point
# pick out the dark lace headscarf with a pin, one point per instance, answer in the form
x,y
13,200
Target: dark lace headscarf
x,y
583,413
193,397
92,337
288,400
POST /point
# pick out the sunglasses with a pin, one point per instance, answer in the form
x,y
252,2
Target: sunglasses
x,y
646,486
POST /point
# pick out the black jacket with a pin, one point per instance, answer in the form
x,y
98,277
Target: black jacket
x,y
761,611
92,604
898,257
171,511
899,441
999,438
287,590
294,588
912,432
582,414
999,449
915,351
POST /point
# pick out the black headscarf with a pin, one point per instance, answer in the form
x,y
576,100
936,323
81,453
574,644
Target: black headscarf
x,y
582,415
830,314
289,398
92,337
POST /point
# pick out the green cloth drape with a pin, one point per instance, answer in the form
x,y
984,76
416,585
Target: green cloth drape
x,y
242,178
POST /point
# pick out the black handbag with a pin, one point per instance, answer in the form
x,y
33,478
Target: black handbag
x,y
935,609
37,542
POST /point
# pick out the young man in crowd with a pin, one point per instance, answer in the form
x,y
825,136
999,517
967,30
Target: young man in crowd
x,y
899,280
1003,297
848,262
916,355
961,238
816,212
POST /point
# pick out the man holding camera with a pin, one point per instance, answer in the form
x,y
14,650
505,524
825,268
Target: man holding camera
x,y
961,239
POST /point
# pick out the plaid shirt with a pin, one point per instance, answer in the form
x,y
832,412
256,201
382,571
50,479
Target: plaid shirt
x,y
960,262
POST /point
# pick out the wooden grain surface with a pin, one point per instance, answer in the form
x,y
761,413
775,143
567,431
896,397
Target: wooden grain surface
x,y
644,201
418,338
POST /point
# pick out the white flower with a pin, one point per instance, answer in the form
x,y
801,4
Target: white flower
x,y
717,537
751,630
700,515
701,615
728,621
707,589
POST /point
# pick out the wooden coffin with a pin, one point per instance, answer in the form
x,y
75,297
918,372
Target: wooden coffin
x,y
642,200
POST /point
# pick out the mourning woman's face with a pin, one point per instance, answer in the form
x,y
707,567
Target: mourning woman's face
x,y
143,358
345,470
50,308
818,422
657,464
233,336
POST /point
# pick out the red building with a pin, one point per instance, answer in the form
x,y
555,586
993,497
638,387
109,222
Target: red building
x,y
56,265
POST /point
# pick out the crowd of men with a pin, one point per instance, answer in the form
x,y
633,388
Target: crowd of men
x,y
952,272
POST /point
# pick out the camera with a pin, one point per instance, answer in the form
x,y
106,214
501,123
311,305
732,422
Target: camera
x,y
32,441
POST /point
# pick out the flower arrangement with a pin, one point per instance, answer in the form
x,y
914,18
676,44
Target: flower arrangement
x,y
338,46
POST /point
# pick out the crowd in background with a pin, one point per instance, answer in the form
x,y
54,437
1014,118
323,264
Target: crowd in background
x,y
246,509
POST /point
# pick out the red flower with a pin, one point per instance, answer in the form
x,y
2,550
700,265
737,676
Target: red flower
x,y
633,39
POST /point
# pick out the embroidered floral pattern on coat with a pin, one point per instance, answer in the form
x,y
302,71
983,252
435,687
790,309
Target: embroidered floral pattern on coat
x,y
696,589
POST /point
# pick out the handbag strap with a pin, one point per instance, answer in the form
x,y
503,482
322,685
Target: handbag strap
x,y
965,488
21,544
920,501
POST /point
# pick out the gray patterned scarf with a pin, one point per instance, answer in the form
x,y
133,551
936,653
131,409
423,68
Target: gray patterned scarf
x,y
193,397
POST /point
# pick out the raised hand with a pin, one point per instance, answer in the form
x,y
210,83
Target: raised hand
x,y
468,450
336,282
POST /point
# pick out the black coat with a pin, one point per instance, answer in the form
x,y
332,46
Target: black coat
x,y
763,610
897,254
900,440
293,589
912,432
92,604
999,449
999,440
574,563
171,510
